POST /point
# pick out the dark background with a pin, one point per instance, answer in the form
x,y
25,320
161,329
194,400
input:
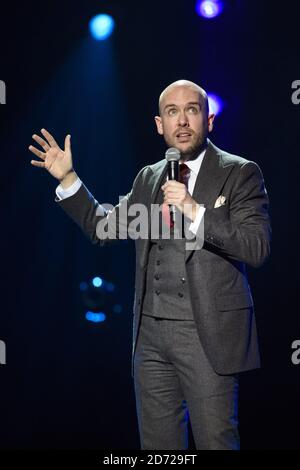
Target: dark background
x,y
67,381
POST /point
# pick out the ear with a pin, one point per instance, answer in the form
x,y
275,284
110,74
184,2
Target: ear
x,y
159,125
210,121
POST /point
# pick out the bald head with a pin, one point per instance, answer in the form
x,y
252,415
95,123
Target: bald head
x,y
186,84
183,119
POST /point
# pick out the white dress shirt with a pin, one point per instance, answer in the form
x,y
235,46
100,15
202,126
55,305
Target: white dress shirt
x,y
194,166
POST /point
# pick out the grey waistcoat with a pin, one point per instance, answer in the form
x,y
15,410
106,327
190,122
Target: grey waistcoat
x,y
167,292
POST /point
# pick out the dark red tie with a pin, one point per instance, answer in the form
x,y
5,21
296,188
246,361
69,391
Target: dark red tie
x,y
184,174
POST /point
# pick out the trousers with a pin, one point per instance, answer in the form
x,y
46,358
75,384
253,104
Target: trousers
x,y
174,382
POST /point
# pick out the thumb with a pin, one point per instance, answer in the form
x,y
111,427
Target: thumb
x,y
68,143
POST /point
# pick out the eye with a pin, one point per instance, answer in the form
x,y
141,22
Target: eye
x,y
193,110
172,111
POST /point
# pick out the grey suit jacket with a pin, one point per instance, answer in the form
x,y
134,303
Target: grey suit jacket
x,y
235,234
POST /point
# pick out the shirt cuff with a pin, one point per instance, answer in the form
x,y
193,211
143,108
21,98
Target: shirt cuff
x,y
196,224
62,193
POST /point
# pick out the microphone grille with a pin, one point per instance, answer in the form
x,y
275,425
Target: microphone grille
x,y
172,154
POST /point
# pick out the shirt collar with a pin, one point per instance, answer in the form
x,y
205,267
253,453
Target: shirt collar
x,y
194,165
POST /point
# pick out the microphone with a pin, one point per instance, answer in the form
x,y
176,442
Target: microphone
x,y
173,156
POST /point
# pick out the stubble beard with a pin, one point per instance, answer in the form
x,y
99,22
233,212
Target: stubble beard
x,y
193,151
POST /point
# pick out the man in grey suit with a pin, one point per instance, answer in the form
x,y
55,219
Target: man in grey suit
x,y
194,327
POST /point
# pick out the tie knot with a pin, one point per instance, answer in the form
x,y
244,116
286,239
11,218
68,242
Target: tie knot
x,y
184,173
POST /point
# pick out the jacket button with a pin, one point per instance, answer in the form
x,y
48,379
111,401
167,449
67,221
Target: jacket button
x,y
180,294
160,247
157,292
158,262
157,277
183,280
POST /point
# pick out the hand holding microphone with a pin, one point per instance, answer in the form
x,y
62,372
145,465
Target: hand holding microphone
x,y
176,194
173,157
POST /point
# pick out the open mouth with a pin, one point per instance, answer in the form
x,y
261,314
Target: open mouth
x,y
183,135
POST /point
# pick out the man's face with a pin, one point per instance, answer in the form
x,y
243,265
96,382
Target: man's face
x,y
183,120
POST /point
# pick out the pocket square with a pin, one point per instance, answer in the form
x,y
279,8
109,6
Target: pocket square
x,y
220,201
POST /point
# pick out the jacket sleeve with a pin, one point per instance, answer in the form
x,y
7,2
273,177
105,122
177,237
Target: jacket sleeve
x,y
240,230
100,224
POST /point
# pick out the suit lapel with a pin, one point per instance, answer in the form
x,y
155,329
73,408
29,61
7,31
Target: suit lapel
x,y
211,177
210,180
156,180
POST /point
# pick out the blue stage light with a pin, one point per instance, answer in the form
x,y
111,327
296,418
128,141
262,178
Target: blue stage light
x,y
95,317
215,104
97,282
209,8
101,26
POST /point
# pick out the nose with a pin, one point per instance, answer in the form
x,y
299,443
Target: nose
x,y
183,119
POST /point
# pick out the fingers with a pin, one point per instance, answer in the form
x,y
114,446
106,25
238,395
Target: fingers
x,y
171,190
172,184
52,142
41,141
37,152
38,164
68,143
175,191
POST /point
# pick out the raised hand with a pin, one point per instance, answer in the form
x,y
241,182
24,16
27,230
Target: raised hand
x,y
56,161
